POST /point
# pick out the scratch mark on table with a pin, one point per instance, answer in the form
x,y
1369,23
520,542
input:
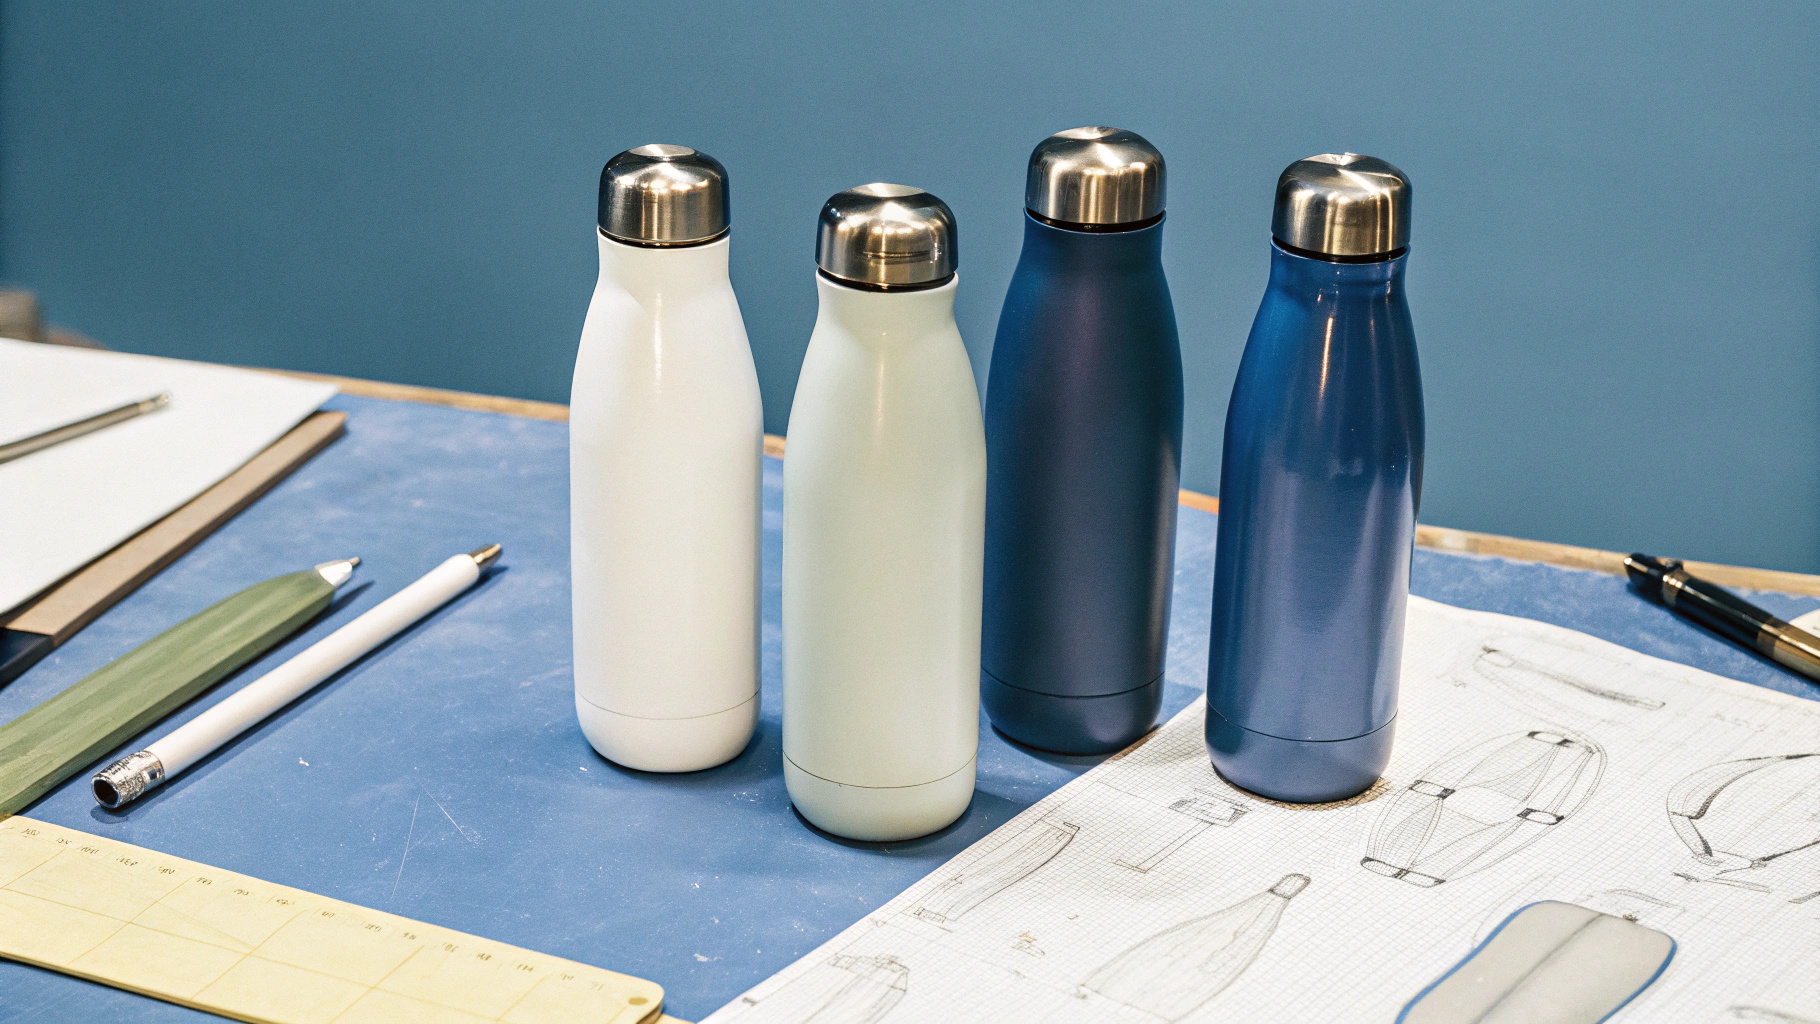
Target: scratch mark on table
x,y
445,813
407,844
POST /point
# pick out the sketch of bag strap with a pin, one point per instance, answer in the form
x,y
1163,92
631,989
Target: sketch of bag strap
x,y
1493,662
1692,797
1536,815
1401,874
1557,786
1549,813
1563,788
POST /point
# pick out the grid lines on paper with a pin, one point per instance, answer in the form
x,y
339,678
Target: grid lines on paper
x,y
1563,758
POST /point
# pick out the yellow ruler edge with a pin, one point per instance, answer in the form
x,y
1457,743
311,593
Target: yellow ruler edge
x,y
257,951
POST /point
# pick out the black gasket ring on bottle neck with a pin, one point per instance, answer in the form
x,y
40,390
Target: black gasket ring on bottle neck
x,y
1376,257
1097,229
869,286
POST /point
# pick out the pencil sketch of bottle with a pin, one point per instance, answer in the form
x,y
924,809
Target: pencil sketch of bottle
x,y
1001,868
841,990
1763,1013
1753,824
1177,970
1514,667
1193,815
1481,803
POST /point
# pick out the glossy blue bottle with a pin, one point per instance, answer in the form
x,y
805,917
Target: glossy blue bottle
x,y
1319,488
1083,454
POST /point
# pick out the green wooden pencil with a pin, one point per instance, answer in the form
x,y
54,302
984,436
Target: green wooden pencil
x,y
58,738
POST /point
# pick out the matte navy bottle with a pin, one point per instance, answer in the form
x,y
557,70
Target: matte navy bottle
x,y
1319,487
1083,454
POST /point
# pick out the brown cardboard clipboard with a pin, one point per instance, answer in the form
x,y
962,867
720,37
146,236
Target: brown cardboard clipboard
x,y
72,604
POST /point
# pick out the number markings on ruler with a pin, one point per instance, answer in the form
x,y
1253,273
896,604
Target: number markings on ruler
x,y
257,951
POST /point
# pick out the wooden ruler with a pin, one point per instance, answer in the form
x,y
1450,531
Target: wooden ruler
x,y
244,948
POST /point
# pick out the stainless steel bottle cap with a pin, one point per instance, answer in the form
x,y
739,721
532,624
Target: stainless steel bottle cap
x,y
663,196
1095,177
1342,205
887,236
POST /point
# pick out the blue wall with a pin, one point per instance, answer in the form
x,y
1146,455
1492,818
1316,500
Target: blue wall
x,y
1616,269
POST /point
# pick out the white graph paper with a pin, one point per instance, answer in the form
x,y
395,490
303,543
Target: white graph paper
x,y
1531,763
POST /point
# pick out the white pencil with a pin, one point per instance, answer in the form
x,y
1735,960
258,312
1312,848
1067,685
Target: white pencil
x,y
132,776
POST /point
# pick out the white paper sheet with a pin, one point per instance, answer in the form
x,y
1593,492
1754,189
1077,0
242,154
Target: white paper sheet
x,y
1531,763
62,507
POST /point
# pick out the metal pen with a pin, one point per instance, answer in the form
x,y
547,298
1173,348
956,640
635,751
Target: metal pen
x,y
70,431
1665,581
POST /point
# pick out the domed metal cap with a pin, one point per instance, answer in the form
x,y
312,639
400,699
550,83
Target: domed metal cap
x,y
1342,205
1095,177
663,196
887,236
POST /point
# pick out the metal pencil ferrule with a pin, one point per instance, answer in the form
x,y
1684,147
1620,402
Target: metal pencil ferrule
x,y
127,779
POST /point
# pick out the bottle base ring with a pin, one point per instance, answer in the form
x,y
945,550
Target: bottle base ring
x,y
1071,725
1297,771
880,814
668,744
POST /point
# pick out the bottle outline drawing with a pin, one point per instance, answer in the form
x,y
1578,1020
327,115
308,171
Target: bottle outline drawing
x,y
1177,970
1013,860
844,989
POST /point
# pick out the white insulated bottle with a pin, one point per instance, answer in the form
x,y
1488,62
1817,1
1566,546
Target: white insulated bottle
x,y
884,530
666,439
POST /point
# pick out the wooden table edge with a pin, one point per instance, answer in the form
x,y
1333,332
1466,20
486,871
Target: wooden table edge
x,y
1436,538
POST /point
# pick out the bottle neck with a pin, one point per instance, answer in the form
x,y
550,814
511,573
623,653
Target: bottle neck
x,y
1291,270
644,270
867,311
1137,249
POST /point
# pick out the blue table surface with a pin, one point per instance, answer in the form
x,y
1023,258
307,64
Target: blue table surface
x,y
444,777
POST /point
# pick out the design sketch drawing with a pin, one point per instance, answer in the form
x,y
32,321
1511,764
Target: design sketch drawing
x,y
1759,1013
1531,763
1203,812
1510,669
1755,823
1632,905
1014,860
842,990
1172,973
1481,804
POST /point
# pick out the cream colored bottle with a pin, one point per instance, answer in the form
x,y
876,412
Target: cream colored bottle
x,y
884,529
665,448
